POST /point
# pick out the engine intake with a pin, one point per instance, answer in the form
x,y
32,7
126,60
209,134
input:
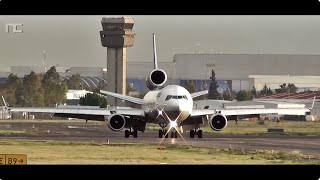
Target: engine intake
x,y
218,122
156,79
116,122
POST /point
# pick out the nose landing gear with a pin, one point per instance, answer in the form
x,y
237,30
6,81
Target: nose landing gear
x,y
163,131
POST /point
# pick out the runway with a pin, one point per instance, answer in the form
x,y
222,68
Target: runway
x,y
98,132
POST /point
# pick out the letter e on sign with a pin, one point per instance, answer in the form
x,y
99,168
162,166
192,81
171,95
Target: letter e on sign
x,y
2,159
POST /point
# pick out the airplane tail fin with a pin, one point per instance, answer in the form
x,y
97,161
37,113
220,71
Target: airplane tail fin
x,y
4,102
155,59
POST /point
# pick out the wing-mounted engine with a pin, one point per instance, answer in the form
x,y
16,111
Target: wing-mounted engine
x,y
218,121
116,122
156,79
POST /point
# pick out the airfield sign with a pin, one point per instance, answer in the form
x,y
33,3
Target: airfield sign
x,y
13,159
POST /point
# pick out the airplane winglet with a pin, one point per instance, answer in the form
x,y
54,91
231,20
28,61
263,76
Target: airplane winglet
x,y
314,99
4,102
155,59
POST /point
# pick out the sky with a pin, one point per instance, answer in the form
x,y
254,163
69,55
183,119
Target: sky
x,y
74,41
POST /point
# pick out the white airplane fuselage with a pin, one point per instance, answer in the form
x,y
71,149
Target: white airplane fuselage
x,y
172,103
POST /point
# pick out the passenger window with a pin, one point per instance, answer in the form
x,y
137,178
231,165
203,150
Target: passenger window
x,y
179,97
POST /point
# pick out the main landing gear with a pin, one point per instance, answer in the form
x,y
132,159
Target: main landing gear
x,y
196,132
132,132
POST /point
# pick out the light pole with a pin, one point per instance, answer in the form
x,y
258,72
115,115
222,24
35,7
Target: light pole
x,y
228,89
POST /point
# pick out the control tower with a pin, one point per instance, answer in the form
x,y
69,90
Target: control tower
x,y
117,35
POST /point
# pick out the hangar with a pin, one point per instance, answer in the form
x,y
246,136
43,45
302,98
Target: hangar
x,y
234,71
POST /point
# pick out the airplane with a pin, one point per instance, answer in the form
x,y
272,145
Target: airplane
x,y
169,106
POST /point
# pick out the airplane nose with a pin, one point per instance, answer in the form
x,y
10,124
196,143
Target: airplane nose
x,y
183,106
178,109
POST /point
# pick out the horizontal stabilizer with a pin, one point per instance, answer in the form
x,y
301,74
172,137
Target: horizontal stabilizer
x,y
123,97
200,93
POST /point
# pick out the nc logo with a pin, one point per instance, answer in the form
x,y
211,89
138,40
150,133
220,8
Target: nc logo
x,y
14,28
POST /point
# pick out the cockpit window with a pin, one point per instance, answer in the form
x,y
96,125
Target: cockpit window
x,y
176,97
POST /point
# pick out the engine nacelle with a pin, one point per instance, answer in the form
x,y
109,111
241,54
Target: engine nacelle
x,y
217,122
116,122
156,79
310,118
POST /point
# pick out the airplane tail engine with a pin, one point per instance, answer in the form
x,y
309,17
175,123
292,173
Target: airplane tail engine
x,y
116,122
217,122
156,79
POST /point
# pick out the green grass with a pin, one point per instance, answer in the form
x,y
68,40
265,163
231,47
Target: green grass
x,y
10,132
65,152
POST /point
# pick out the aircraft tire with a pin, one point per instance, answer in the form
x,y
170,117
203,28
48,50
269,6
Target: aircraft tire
x,y
164,132
126,133
135,133
200,134
160,133
192,134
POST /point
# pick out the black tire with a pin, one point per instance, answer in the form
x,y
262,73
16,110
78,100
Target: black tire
x,y
172,134
176,134
135,133
160,133
126,133
200,134
164,132
192,134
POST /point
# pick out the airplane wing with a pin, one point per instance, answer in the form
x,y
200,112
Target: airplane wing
x,y
200,93
99,111
232,112
124,97
97,114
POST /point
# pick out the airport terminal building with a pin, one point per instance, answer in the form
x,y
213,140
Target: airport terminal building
x,y
234,71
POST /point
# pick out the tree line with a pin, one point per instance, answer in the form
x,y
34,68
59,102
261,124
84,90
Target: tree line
x,y
35,90
242,95
48,90
45,90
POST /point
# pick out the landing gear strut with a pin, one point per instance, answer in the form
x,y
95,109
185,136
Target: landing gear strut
x,y
132,132
195,132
